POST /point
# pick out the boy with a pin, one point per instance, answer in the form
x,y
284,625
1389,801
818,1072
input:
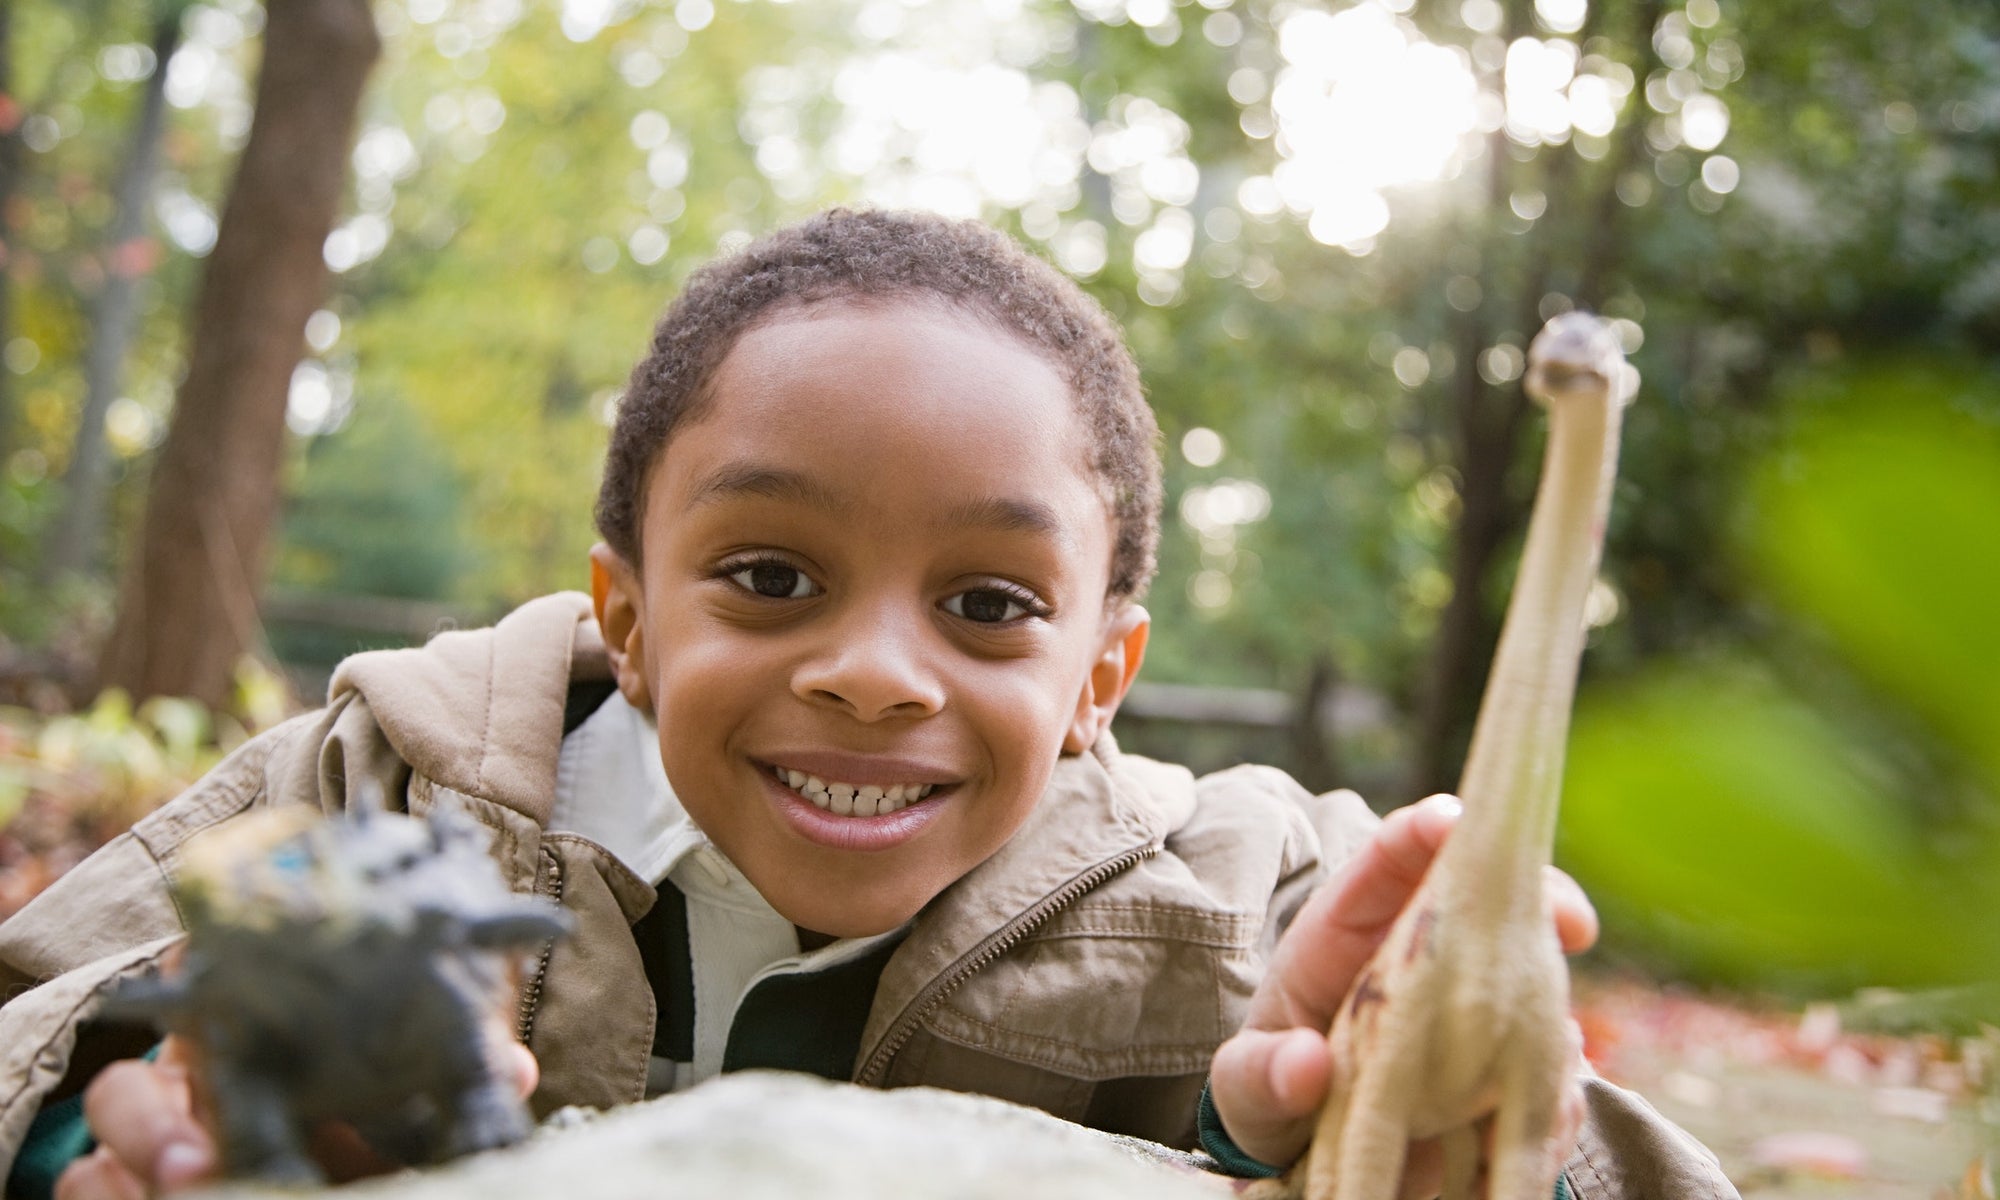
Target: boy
x,y
821,768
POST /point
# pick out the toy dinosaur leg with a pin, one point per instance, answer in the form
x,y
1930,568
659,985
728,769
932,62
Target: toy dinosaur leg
x,y
1461,1162
489,1115
1313,1178
1374,1140
257,1131
1520,1168
481,1110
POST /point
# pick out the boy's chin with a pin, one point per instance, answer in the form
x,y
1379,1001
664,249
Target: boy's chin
x,y
851,903
817,925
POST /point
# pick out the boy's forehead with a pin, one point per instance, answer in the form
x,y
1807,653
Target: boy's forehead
x,y
911,375
831,405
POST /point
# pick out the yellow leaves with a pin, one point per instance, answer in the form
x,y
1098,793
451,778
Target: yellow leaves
x,y
110,764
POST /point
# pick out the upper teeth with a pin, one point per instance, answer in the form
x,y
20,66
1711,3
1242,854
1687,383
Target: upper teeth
x,y
853,800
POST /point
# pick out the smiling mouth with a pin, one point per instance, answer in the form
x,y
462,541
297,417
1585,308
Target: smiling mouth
x,y
853,800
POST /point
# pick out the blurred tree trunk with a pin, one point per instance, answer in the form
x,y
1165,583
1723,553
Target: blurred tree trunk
x,y
1315,753
1488,419
10,174
1485,425
75,537
188,606
1487,430
1603,247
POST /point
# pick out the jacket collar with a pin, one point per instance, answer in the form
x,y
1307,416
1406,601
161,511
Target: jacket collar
x,y
1099,807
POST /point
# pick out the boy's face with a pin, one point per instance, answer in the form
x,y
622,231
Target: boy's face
x,y
878,560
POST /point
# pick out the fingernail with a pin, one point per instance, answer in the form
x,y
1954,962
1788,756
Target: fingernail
x,y
181,1162
1449,805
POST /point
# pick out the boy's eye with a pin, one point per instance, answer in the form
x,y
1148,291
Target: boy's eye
x,y
987,606
775,580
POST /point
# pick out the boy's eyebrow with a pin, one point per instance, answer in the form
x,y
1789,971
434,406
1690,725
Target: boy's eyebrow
x,y
756,479
1008,513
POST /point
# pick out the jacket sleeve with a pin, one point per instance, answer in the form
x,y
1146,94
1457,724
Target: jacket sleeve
x,y
48,1029
1628,1151
1300,839
109,918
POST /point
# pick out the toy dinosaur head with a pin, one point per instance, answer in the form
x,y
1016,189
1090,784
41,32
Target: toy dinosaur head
x,y
1577,354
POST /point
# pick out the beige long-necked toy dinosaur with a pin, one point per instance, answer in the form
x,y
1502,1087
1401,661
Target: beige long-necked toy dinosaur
x,y
1463,1011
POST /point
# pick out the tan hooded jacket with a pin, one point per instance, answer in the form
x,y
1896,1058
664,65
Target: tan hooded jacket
x,y
1089,968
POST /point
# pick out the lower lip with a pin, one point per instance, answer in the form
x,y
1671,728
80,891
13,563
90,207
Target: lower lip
x,y
853,833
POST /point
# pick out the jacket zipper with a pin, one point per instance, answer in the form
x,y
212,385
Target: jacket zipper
x,y
548,885
1002,940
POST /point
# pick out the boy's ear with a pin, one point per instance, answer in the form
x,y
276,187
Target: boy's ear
x,y
614,596
1118,660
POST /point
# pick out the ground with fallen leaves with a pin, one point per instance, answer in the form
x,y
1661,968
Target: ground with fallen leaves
x,y
1792,1103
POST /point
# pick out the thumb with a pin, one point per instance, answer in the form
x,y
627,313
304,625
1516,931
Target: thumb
x,y
1268,1086
519,1068
511,1062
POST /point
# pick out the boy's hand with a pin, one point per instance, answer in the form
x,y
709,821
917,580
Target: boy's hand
x,y
150,1141
1269,1081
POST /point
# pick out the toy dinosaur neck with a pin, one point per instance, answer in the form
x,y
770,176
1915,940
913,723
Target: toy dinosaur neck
x,y
1513,773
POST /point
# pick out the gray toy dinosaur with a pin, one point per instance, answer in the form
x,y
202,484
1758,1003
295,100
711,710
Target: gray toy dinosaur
x,y
347,968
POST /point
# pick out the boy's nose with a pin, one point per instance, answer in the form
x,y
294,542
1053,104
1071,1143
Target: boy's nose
x,y
875,666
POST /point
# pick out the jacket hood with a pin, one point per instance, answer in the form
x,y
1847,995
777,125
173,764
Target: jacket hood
x,y
481,711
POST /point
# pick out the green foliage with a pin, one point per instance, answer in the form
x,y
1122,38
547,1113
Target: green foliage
x,y
1718,811
376,512
23,507
73,120
1833,817
1873,526
72,781
485,314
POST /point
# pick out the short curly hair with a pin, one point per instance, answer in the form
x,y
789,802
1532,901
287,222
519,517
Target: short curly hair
x,y
872,255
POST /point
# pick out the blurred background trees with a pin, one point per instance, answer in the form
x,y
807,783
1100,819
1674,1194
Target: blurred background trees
x,y
188,607
1329,230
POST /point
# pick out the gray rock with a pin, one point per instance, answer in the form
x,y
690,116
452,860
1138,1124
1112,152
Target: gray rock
x,y
771,1136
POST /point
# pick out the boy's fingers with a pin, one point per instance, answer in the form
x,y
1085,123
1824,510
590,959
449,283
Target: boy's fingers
x,y
98,1176
174,1054
511,1060
140,1114
1378,881
1268,1087
1411,836
183,1164
1346,919
520,1069
1576,916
